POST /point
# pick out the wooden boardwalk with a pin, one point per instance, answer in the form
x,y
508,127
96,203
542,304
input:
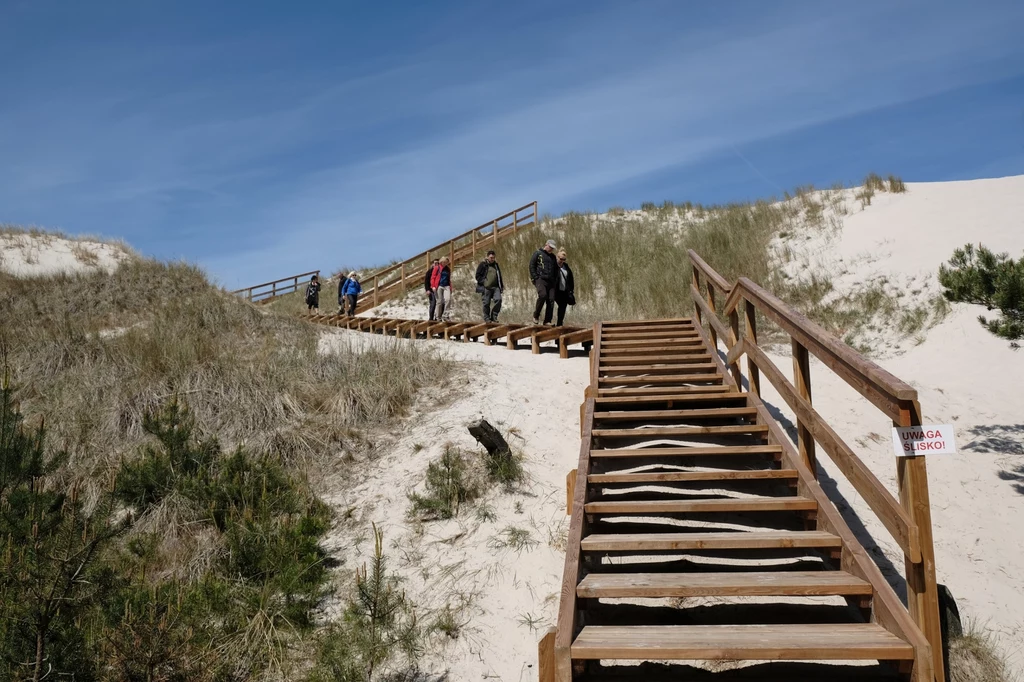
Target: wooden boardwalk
x,y
699,531
512,336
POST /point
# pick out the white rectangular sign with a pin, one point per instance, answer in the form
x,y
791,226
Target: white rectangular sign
x,y
909,441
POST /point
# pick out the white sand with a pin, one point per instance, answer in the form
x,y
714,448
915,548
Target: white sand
x,y
41,255
964,376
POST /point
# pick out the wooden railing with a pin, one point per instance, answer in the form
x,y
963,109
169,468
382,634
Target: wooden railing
x,y
909,520
261,293
396,279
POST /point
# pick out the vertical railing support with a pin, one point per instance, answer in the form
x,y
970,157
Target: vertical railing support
x,y
750,325
451,254
714,311
375,288
697,315
734,338
403,278
922,591
474,244
802,381
546,657
494,231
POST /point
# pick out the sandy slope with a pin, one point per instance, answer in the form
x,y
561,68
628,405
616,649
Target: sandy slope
x,y
37,255
504,597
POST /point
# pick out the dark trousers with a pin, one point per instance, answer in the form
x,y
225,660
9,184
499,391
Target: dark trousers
x,y
545,299
561,300
352,299
432,306
492,304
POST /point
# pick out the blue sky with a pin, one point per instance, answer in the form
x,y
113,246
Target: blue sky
x,y
261,139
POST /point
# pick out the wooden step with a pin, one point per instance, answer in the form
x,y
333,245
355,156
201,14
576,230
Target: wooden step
x,y
698,355
686,452
712,413
671,431
750,584
713,506
815,642
653,370
649,477
712,397
618,324
654,335
664,392
647,542
648,343
677,379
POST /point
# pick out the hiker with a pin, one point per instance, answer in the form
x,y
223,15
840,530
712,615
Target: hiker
x,y
430,290
565,291
313,295
490,286
352,291
342,283
441,284
544,275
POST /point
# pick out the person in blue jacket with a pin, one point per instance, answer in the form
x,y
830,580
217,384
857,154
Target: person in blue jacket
x,y
352,290
342,303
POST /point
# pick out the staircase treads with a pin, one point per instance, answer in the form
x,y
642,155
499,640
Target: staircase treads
x,y
681,431
656,336
812,642
641,542
708,394
627,345
686,452
631,370
724,505
614,362
665,392
646,478
709,413
745,584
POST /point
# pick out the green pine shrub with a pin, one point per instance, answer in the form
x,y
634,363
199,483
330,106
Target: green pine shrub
x,y
994,280
450,483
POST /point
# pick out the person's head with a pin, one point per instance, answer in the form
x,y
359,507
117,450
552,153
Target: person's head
x,y
561,256
490,256
353,275
314,278
434,262
550,246
444,261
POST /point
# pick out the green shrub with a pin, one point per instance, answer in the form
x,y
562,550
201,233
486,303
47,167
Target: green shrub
x,y
504,469
989,279
450,483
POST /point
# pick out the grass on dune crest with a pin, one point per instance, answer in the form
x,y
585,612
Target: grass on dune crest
x,y
95,352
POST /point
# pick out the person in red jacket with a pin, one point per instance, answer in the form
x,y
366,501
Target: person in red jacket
x,y
430,289
441,283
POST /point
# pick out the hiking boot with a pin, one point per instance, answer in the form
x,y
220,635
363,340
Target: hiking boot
x,y
536,320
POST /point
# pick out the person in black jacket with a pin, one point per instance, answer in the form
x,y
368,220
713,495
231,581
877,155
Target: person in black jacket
x,y
430,291
544,275
565,293
313,295
490,286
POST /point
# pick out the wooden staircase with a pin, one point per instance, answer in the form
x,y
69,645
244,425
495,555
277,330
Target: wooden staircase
x,y
700,536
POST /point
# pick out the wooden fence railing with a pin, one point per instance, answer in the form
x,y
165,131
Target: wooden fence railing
x,y
396,279
909,520
261,293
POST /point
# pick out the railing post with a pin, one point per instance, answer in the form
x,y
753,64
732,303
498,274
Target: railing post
x,y
734,338
922,591
714,309
750,324
403,278
515,220
536,216
451,253
375,279
494,231
273,290
474,244
696,308
802,381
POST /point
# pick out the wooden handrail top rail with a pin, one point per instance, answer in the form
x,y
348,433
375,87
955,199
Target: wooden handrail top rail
x,y
817,340
276,281
720,284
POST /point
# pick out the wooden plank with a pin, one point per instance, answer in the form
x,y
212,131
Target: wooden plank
x,y
693,476
570,490
655,360
638,336
650,375
702,451
619,324
667,392
700,397
474,332
750,584
815,642
678,379
673,341
717,280
546,657
634,370
711,413
455,330
583,336
498,332
514,335
682,431
645,542
802,381
716,505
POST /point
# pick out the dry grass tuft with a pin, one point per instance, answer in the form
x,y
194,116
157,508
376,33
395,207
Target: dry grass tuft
x,y
975,657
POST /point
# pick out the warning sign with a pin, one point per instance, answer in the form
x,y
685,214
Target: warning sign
x,y
910,441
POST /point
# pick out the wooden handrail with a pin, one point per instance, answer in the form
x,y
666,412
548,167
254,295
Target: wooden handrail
x,y
250,291
909,522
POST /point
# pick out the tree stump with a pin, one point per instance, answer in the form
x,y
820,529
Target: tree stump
x,y
490,438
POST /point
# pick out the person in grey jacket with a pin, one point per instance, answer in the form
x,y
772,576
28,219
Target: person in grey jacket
x,y
544,275
490,286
